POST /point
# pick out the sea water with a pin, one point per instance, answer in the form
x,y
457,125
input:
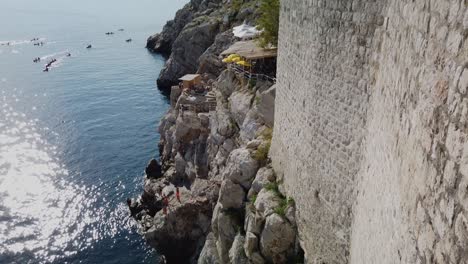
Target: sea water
x,y
74,141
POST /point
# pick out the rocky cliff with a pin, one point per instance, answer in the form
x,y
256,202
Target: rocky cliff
x,y
199,32
214,197
368,159
230,208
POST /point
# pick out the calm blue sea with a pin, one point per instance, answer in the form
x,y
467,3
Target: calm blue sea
x,y
74,141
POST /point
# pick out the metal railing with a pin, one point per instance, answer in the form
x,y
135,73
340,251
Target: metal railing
x,y
204,107
249,75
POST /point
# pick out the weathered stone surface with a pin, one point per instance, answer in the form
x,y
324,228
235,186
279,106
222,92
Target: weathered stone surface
x,y
276,239
266,202
370,125
251,244
231,195
163,42
186,49
209,61
264,176
241,167
240,102
176,234
236,253
209,253
266,105
227,230
253,144
227,83
253,220
251,126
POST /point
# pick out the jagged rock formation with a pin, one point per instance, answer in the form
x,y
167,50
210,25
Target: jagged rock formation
x,y
198,34
231,210
370,130
369,138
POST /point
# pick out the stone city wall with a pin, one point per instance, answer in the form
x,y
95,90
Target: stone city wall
x,y
371,128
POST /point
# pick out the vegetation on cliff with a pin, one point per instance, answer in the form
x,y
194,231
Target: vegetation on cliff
x,y
268,22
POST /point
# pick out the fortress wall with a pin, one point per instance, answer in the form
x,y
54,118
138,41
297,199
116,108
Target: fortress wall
x,y
371,128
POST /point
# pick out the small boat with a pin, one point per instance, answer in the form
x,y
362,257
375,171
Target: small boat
x,y
129,40
89,46
121,29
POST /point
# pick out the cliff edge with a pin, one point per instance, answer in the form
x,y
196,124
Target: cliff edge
x,y
200,31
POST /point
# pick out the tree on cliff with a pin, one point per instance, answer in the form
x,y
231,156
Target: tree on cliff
x,y
268,22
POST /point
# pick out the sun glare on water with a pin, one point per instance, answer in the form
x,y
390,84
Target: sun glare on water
x,y
40,212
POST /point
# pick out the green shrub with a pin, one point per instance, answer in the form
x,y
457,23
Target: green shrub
x,y
268,22
284,204
273,186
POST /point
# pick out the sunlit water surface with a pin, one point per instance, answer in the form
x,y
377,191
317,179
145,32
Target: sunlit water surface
x,y
74,141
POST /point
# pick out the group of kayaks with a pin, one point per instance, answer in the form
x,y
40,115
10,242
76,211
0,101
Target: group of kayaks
x,y
110,33
49,64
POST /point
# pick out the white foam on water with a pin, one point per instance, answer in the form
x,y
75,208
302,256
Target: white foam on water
x,y
4,79
52,55
15,51
19,42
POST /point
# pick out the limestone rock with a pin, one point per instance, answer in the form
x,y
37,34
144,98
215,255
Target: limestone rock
x,y
223,124
227,83
253,144
251,126
177,234
266,105
277,239
162,42
266,202
290,214
241,167
231,195
461,230
189,45
253,221
236,253
180,164
209,253
240,102
251,244
264,176
188,127
209,61
227,230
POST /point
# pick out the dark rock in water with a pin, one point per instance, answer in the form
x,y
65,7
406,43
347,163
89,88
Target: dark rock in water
x,y
134,207
153,170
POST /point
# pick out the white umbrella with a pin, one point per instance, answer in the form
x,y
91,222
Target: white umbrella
x,y
245,31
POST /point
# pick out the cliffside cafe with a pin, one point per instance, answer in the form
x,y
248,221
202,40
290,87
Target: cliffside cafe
x,y
252,61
